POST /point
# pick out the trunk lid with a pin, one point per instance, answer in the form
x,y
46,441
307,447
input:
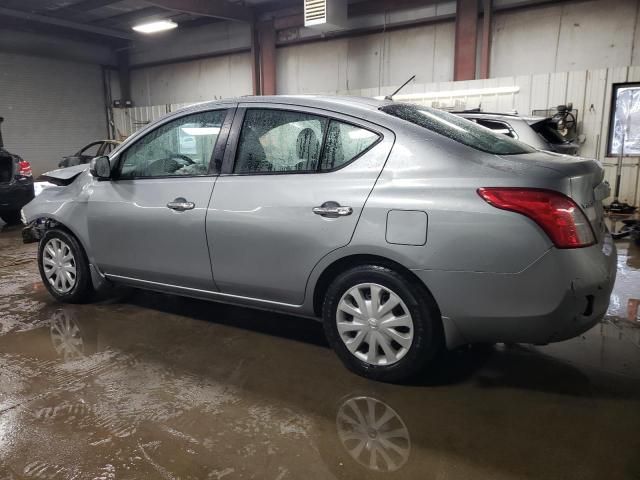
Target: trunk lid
x,y
583,181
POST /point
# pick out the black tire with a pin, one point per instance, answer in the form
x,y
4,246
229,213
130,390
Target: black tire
x,y
427,323
11,217
82,290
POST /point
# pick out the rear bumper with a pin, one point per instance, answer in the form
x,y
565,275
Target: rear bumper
x,y
15,195
561,295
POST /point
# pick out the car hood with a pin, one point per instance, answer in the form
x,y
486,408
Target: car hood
x,y
64,176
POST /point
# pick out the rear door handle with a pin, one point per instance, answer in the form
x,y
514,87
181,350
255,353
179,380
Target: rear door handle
x,y
332,210
180,205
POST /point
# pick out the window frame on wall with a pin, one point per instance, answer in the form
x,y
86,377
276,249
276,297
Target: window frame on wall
x,y
615,87
238,122
217,153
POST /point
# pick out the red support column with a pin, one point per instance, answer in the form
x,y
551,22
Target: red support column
x,y
485,56
464,67
267,39
255,59
263,50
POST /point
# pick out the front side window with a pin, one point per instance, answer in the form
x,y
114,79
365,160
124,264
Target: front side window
x,y
280,141
182,147
458,129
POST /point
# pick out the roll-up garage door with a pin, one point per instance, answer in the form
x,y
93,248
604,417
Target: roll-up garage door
x,y
51,107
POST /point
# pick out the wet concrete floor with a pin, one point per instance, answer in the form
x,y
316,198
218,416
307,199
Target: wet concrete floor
x,y
144,385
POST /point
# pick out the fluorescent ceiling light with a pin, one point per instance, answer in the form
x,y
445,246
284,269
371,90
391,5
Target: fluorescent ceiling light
x,y
153,27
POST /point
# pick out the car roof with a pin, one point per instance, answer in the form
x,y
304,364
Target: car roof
x,y
345,104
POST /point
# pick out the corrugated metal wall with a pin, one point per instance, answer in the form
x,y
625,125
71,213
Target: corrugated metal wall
x,y
51,107
589,91
130,120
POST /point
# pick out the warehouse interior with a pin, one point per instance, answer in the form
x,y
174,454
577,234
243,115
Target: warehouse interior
x,y
146,384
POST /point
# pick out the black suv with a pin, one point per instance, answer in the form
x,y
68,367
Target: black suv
x,y
16,184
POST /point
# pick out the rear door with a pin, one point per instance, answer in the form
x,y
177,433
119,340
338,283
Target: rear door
x,y
293,186
148,222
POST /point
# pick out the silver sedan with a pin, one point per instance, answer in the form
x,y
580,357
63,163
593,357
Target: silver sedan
x,y
405,229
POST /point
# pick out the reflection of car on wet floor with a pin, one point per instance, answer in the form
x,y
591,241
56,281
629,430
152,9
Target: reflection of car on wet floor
x,y
142,394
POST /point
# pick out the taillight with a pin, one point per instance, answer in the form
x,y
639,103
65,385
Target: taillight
x,y
24,168
558,215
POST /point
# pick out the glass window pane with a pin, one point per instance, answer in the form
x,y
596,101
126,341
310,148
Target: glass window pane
x,y
181,147
279,141
458,129
344,143
91,150
498,127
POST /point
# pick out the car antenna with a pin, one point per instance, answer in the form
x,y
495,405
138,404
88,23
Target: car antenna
x,y
390,97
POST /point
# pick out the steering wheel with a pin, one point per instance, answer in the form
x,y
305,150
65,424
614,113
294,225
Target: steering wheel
x,y
180,156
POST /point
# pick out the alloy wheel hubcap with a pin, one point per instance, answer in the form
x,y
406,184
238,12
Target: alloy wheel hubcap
x,y
374,324
59,265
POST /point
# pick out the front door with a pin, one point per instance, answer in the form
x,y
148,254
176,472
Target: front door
x,y
148,222
292,189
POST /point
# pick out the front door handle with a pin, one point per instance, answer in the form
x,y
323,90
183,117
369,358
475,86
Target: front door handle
x,y
332,210
180,205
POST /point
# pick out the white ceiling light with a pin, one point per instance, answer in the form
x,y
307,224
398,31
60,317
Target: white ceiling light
x,y
153,27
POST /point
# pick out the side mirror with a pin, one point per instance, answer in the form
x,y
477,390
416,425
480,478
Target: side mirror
x,y
100,168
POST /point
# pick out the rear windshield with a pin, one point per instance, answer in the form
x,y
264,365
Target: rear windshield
x,y
458,129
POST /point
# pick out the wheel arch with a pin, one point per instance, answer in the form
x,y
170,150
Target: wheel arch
x,y
345,263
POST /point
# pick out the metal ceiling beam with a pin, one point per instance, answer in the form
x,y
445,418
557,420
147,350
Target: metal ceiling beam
x,y
60,22
129,17
208,8
83,6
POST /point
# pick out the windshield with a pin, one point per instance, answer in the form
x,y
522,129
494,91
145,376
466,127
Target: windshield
x,y
458,129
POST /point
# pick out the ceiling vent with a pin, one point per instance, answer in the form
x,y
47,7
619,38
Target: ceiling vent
x,y
325,14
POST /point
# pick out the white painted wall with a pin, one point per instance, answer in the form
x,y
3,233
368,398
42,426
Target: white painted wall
x,y
565,37
370,61
195,81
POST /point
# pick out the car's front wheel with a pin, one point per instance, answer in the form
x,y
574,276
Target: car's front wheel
x,y
382,325
64,267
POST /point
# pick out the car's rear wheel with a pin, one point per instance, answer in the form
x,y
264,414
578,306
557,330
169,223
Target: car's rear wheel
x,y
382,325
11,217
64,267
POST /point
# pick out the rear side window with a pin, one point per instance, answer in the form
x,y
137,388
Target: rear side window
x,y
458,129
282,141
344,143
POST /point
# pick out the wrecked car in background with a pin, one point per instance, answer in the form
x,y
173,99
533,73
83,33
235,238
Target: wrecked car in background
x,y
16,184
85,154
539,132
